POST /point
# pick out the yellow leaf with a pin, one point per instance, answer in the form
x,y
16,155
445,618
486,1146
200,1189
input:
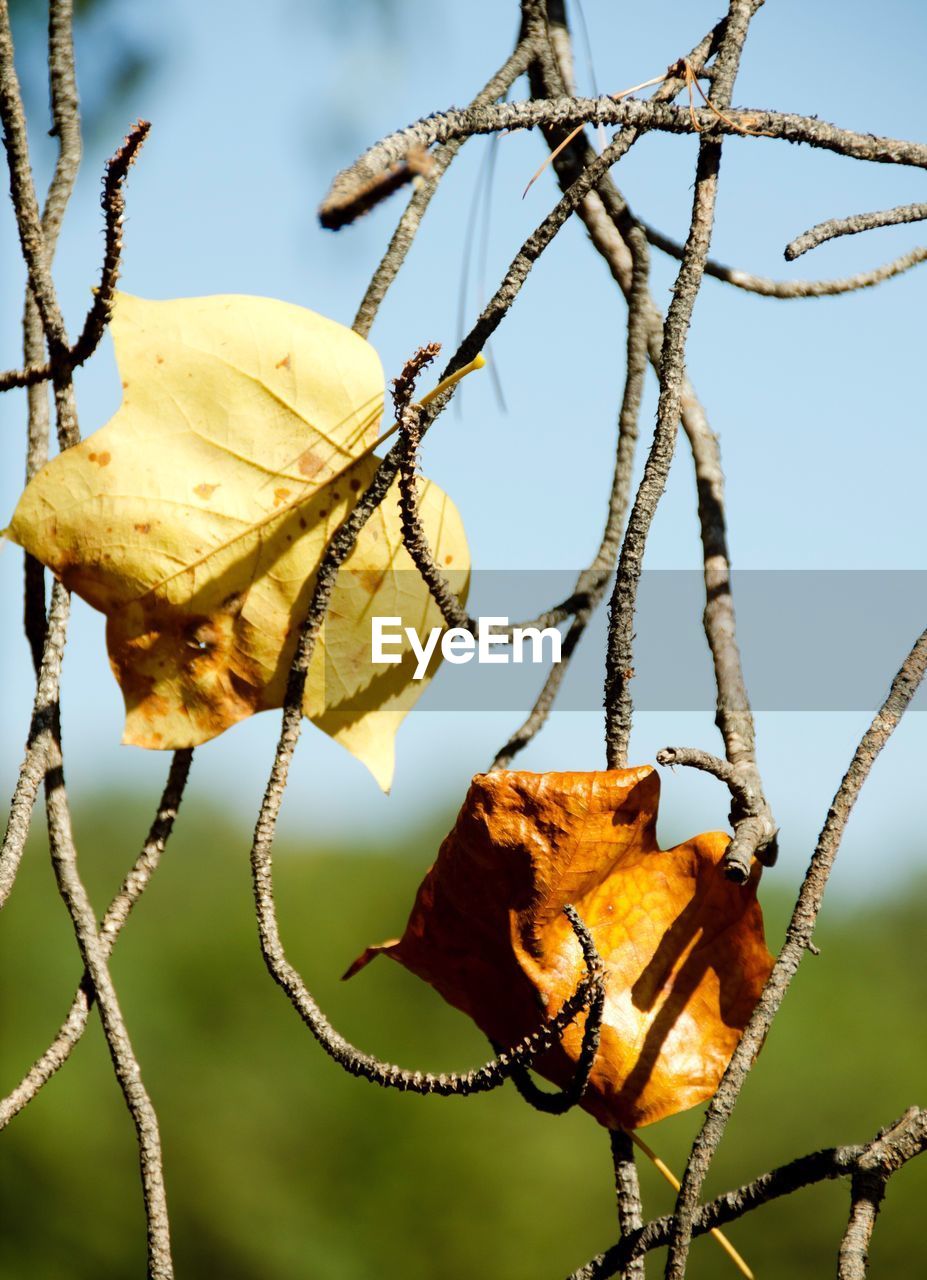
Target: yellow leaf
x,y
197,517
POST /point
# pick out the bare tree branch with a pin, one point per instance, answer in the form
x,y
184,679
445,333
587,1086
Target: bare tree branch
x,y
28,219
852,226
409,417
593,581
125,1064
113,202
66,128
409,223
627,1196
607,220
892,1148
43,758
788,289
798,937
557,1104
446,126
44,718
115,917
619,668
909,1140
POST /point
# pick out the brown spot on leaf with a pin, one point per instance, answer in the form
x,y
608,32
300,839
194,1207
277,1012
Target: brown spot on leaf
x,y
309,464
281,495
102,459
143,528
302,523
284,363
205,490
160,359
355,485
448,559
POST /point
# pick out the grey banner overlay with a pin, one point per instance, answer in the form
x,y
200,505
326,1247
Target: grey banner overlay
x,y
810,641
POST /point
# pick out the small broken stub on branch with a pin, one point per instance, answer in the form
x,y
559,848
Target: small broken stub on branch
x,y
353,195
683,948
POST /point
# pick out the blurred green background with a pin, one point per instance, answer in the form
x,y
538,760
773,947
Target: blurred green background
x,y
279,1166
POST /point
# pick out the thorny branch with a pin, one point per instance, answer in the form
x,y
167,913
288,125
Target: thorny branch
x,y
113,202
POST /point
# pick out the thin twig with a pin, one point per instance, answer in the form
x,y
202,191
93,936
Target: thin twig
x,y
798,938
122,1054
337,552
515,277
607,219
543,705
908,1139
754,826
892,1148
619,668
557,1104
45,745
347,1056
409,223
28,218
409,417
627,1195
34,765
867,1190
723,770
65,113
115,917
790,289
66,128
113,202
852,226
591,584
283,973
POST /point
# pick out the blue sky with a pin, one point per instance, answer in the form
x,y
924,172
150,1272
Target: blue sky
x,y
818,403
